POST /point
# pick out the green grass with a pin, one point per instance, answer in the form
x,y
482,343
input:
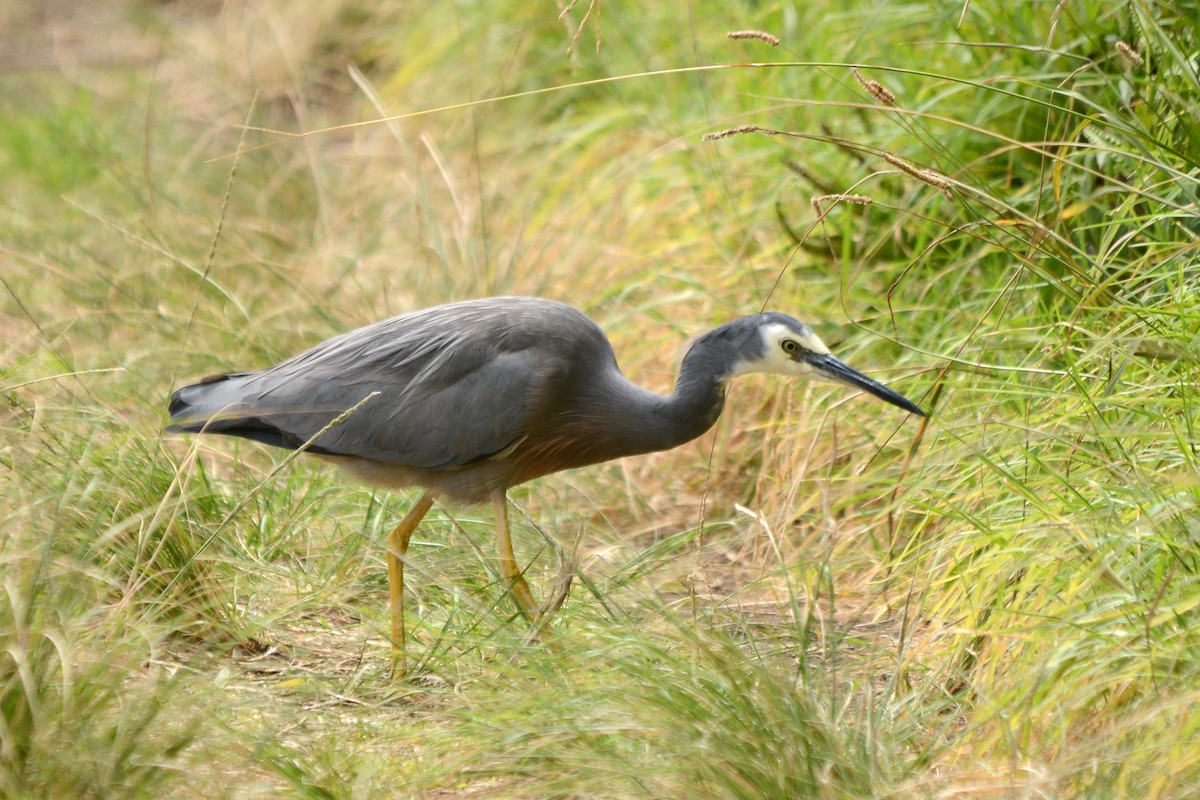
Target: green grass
x,y
817,599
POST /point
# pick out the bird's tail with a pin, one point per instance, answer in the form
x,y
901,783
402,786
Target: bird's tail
x,y
216,405
205,406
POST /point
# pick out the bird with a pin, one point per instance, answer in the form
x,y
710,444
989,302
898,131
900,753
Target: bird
x,y
470,399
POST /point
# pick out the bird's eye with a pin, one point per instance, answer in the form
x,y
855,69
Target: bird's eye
x,y
790,346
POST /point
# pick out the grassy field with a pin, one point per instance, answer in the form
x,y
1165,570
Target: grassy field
x,y
822,597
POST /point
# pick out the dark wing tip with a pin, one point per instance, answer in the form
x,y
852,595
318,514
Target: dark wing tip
x,y
178,405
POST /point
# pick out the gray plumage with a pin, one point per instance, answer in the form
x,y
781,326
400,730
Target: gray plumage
x,y
478,396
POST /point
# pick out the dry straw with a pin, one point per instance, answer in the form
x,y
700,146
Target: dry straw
x,y
877,89
762,36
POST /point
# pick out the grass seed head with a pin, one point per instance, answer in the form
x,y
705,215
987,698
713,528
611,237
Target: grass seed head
x,y
877,89
708,137
923,175
1130,56
762,36
834,199
857,199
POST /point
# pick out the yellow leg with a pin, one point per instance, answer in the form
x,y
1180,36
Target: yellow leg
x,y
508,563
397,548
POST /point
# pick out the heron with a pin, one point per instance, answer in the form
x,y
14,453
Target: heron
x,y
469,399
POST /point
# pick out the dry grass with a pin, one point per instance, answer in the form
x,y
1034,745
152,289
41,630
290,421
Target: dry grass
x,y
817,598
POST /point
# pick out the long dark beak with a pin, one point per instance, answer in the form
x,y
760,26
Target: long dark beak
x,y
831,369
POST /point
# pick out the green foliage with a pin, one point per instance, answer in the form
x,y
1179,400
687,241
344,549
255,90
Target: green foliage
x,y
81,715
666,714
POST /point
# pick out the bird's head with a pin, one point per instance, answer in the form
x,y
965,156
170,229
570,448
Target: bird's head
x,y
782,345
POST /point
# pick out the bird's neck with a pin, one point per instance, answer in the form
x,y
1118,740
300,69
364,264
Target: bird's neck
x,y
649,422
614,418
695,404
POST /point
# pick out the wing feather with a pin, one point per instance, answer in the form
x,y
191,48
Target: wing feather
x,y
456,384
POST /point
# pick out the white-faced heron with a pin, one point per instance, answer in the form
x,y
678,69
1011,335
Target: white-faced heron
x,y
476,397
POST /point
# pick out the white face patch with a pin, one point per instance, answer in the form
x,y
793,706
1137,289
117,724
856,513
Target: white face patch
x,y
783,351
